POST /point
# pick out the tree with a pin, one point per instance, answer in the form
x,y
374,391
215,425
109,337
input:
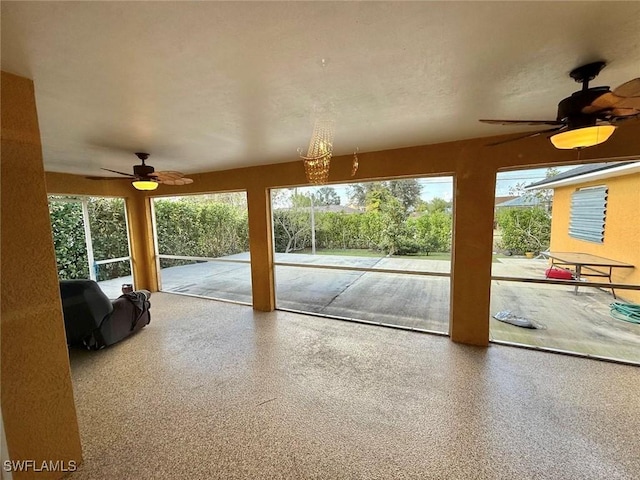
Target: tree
x,y
291,229
369,194
371,225
393,231
300,200
525,229
326,196
407,191
542,196
358,192
377,195
437,205
236,199
280,198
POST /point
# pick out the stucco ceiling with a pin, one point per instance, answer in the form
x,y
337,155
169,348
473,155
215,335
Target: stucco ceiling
x,y
205,86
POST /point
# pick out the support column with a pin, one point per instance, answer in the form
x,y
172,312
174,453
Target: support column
x,y
261,248
472,254
144,262
38,409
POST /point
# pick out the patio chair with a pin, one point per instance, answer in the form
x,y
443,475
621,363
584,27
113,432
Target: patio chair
x,y
93,321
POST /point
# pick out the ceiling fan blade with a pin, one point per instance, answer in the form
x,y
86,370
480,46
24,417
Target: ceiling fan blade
x,y
522,122
618,119
171,177
106,178
629,103
606,101
624,112
168,174
628,89
612,101
528,135
176,181
120,173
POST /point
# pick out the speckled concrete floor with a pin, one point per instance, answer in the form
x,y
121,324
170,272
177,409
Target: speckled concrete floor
x,y
216,390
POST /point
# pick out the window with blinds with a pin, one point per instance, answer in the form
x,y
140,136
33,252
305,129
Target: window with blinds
x,y
588,214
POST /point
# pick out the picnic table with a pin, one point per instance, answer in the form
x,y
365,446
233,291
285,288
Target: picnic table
x,y
585,265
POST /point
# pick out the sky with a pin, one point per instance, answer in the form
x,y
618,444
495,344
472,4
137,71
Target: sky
x,y
507,180
442,187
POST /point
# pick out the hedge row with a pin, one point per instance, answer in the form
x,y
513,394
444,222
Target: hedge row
x,y
214,229
201,229
374,230
108,234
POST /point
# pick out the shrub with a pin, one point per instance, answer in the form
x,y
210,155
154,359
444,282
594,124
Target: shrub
x,y
524,229
108,234
433,232
200,228
291,229
407,246
69,240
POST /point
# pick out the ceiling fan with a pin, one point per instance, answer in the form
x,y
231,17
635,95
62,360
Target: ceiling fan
x,y
146,178
589,116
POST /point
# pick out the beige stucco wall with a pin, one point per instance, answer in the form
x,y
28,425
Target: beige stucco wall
x,y
38,409
622,228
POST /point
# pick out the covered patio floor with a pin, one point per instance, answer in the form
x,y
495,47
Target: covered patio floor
x,y
574,323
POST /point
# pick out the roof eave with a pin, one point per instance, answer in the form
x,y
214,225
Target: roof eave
x,y
626,169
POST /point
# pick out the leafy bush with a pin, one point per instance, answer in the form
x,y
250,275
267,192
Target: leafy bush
x,y
370,230
207,227
108,234
334,230
339,231
385,229
201,229
407,246
394,232
433,232
524,229
69,240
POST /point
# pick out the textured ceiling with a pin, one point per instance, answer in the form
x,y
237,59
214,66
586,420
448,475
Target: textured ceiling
x,y
207,86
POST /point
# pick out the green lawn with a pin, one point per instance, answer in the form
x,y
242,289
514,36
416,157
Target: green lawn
x,y
431,256
362,252
350,252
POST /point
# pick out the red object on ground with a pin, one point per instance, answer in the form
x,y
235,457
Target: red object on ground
x,y
559,273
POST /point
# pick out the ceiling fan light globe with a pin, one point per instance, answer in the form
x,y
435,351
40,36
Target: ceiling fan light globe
x,y
582,137
144,184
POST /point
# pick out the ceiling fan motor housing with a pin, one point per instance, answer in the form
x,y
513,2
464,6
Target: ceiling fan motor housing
x,y
142,170
570,109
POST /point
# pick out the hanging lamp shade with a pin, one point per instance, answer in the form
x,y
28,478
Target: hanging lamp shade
x,y
582,137
144,184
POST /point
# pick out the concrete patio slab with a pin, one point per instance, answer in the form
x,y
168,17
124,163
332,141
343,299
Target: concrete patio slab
x,y
577,323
